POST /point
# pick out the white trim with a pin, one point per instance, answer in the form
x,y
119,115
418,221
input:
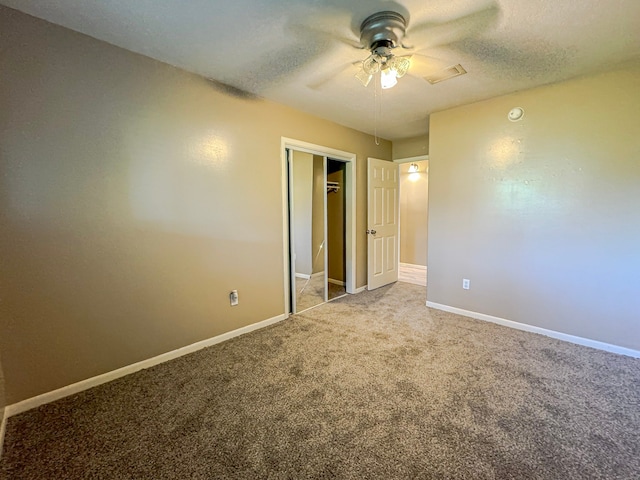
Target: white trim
x,y
414,266
82,385
350,201
290,301
318,274
360,289
287,265
316,149
3,428
325,233
587,342
419,158
336,282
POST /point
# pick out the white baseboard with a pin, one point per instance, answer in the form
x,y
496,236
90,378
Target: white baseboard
x,y
3,428
360,289
317,274
54,395
587,342
303,275
414,266
336,282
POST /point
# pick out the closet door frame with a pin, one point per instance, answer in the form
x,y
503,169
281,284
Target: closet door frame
x,y
350,211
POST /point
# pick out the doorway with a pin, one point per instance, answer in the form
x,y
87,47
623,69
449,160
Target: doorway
x,y
414,192
319,227
336,258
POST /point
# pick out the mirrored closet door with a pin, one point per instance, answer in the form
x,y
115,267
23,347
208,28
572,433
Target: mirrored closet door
x,y
307,211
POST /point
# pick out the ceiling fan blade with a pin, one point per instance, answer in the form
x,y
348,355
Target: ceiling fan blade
x,y
325,79
431,34
323,35
350,42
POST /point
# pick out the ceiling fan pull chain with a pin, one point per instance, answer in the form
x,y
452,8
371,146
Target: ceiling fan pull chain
x,y
375,109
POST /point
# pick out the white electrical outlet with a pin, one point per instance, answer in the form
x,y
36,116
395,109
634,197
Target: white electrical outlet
x,y
233,298
466,283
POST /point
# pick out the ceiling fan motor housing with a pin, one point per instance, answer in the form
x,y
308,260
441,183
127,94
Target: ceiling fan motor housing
x,y
382,32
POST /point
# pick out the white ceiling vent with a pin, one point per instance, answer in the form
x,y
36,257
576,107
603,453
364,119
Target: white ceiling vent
x,y
445,74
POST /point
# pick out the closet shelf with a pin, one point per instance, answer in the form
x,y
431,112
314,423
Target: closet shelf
x,y
333,187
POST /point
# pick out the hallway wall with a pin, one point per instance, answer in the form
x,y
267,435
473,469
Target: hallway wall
x,y
414,204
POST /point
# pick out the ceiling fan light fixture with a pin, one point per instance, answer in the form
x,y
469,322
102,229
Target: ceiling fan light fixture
x,y
400,65
380,33
371,64
364,77
388,77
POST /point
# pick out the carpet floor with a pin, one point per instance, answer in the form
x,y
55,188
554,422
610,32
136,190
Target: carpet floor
x,y
370,386
310,293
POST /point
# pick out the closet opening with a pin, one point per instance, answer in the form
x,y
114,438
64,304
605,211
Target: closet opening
x,y
319,208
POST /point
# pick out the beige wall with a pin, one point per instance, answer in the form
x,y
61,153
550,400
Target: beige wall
x,y
411,147
414,193
542,214
134,197
336,227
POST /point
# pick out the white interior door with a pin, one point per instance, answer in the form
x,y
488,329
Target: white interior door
x,y
382,224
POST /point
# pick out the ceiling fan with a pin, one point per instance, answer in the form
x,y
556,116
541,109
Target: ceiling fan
x,y
381,33
386,32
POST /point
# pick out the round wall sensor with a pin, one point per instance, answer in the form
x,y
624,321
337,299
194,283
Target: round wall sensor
x,y
515,114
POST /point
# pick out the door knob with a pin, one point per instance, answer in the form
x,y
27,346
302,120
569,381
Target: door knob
x,y
372,232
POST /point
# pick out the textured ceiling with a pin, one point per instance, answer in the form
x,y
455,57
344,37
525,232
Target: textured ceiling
x,y
289,51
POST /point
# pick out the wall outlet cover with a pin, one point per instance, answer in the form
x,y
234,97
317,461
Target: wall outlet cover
x,y
233,298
